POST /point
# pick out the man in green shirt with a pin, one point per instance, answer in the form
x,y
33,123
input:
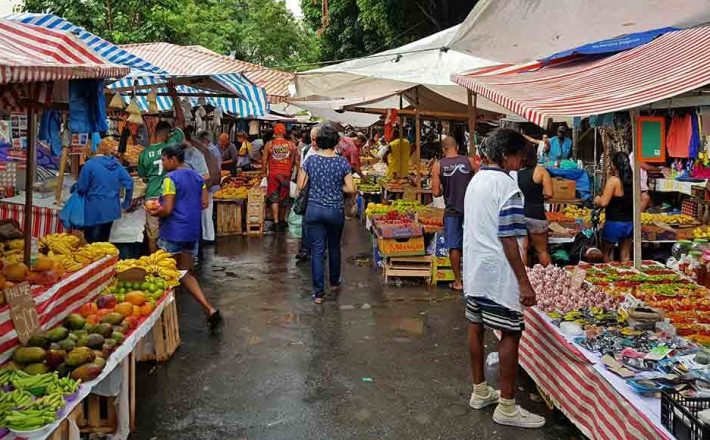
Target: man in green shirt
x,y
150,168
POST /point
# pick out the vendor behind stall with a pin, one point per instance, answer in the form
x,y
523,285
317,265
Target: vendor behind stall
x,y
397,158
560,145
450,176
617,199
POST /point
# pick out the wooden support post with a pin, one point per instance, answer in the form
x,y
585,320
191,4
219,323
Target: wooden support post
x,y
472,116
637,193
29,178
418,154
60,176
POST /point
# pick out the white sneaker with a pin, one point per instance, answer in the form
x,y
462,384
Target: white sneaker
x,y
521,419
479,403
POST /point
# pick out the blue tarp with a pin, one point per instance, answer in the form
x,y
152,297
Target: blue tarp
x,y
618,44
579,176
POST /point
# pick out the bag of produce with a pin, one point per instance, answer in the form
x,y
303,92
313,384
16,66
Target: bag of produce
x,y
294,224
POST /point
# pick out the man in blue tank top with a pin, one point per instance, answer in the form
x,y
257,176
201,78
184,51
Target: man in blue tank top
x,y
184,196
450,177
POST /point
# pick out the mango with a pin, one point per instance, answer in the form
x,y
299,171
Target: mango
x,y
55,357
75,321
135,297
100,362
29,355
86,372
79,356
112,318
67,344
57,334
36,368
95,341
38,341
104,329
63,370
118,337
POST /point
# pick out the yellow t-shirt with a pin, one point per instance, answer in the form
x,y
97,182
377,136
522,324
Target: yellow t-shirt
x,y
398,162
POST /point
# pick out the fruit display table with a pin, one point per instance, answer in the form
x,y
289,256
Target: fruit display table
x,y
55,302
119,358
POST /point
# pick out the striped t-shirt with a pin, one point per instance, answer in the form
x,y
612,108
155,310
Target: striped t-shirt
x,y
511,218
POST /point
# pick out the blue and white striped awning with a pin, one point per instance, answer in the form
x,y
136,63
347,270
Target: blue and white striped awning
x,y
105,49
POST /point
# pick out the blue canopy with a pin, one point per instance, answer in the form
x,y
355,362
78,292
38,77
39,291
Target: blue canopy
x,y
618,44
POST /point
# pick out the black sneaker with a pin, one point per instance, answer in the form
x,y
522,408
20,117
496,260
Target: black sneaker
x,y
282,226
215,319
302,256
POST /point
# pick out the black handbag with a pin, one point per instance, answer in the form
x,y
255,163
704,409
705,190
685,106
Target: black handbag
x,y
301,202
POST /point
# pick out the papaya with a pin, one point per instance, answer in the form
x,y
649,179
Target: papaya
x,y
36,368
83,341
55,357
29,355
86,372
124,308
112,318
104,329
57,334
95,341
42,263
63,370
12,366
75,321
38,341
67,344
118,337
100,362
79,356
108,348
99,353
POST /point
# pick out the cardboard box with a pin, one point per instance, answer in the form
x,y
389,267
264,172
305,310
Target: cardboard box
x,y
395,247
563,189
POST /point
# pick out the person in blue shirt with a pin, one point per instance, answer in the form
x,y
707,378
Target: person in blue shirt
x,y
100,182
560,145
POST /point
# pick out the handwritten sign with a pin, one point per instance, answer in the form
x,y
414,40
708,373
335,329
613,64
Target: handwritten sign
x,y
578,276
392,247
22,311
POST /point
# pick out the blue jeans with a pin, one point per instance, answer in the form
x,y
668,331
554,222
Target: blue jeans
x,y
305,248
324,229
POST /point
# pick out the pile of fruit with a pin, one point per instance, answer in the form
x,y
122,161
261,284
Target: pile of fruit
x,y
29,402
669,219
433,217
558,216
401,206
701,232
371,188
394,218
231,192
159,265
574,212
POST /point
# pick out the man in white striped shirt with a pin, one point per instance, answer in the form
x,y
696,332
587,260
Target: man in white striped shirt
x,y
495,281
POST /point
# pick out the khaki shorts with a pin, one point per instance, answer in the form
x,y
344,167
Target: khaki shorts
x,y
152,225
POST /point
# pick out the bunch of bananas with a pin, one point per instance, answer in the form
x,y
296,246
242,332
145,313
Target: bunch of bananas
x,y
671,219
160,264
62,243
67,262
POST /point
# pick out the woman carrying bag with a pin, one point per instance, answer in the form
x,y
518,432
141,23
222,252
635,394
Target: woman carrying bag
x,y
325,176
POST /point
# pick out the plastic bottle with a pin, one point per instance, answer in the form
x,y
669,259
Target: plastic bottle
x,y
491,368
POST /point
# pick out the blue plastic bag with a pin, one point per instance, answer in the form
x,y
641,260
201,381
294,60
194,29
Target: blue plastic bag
x,y
72,214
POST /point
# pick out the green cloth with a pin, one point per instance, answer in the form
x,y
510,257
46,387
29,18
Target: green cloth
x,y
150,163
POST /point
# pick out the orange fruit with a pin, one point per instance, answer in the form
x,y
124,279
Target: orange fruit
x,y
88,309
147,309
136,311
93,319
135,297
125,308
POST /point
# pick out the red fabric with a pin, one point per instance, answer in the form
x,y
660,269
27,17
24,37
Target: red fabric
x,y
577,389
281,157
347,148
678,137
277,188
391,120
45,221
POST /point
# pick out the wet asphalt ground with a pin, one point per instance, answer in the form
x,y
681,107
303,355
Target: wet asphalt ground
x,y
378,362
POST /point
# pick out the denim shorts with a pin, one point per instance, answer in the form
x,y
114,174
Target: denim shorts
x,y
453,229
616,232
177,247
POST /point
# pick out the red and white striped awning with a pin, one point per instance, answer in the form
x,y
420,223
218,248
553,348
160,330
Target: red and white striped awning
x,y
190,60
31,53
670,65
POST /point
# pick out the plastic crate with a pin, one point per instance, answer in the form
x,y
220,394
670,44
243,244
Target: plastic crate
x,y
679,416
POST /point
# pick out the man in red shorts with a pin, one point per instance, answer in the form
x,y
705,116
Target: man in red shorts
x,y
279,159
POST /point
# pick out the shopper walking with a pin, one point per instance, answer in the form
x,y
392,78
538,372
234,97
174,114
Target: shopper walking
x,y
100,182
617,199
536,185
213,157
279,160
184,195
496,284
450,177
327,176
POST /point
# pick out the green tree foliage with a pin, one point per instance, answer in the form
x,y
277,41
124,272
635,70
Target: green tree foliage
x,y
261,31
361,27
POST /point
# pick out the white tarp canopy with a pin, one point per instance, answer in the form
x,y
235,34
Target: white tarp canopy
x,y
423,67
517,31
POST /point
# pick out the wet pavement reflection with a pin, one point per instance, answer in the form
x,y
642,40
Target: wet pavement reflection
x,y
377,362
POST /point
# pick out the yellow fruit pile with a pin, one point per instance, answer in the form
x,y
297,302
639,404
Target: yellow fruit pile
x,y
160,264
232,193
576,212
671,219
66,250
59,244
701,232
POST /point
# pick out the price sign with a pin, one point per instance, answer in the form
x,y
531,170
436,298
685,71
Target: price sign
x,y
23,311
578,276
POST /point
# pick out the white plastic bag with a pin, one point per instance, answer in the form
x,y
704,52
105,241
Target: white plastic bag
x,y
438,202
295,222
293,190
264,183
129,228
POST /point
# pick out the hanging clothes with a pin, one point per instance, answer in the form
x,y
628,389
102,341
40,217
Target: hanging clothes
x,y
391,119
694,146
254,128
679,136
50,127
87,106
